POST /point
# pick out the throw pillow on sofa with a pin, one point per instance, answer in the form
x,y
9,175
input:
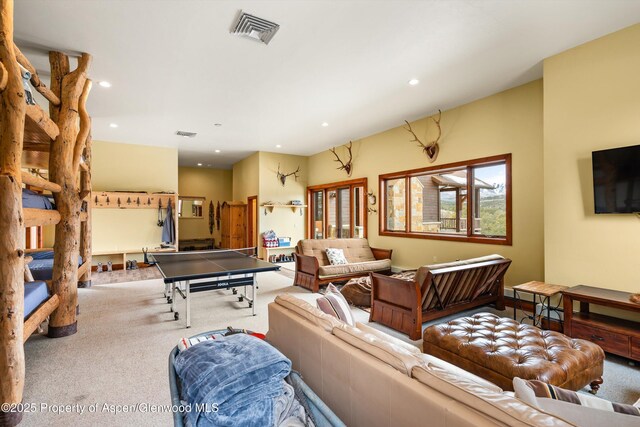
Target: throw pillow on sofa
x,y
336,256
578,408
333,303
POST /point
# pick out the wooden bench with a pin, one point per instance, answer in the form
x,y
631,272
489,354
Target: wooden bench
x,y
437,291
124,252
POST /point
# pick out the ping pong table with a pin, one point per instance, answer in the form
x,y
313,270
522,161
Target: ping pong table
x,y
198,271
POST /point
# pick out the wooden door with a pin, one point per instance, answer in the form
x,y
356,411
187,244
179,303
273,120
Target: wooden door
x,y
252,221
233,227
238,226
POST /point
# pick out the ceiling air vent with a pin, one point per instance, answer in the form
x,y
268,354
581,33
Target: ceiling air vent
x,y
255,28
186,134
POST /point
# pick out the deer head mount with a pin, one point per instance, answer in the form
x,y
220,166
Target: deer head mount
x,y
431,148
346,166
283,177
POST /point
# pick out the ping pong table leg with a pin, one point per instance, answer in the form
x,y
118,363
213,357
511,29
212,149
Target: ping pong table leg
x,y
188,291
173,297
255,294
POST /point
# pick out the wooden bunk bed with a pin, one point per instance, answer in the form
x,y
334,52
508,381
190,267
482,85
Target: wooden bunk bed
x,y
30,138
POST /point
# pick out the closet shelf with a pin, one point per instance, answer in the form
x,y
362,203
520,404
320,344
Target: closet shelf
x,y
294,208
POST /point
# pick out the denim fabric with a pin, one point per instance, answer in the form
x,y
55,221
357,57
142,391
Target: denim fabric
x,y
240,375
31,199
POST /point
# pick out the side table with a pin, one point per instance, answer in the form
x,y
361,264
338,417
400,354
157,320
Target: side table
x,y
541,292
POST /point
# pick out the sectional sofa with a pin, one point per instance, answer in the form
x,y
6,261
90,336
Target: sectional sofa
x,y
369,378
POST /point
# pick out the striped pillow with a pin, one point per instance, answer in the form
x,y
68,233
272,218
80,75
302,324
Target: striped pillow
x,y
333,303
543,390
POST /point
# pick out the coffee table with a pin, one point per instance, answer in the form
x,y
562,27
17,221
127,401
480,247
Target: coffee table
x,y
499,349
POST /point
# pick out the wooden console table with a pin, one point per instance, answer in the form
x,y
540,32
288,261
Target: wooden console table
x,y
614,335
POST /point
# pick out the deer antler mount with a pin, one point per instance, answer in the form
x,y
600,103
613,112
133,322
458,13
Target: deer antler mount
x,y
347,167
283,177
431,148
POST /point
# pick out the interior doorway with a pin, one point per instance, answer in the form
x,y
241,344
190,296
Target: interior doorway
x,y
252,221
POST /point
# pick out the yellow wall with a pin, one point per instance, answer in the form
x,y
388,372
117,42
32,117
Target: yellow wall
x,y
246,178
508,122
257,176
212,184
591,102
133,168
283,221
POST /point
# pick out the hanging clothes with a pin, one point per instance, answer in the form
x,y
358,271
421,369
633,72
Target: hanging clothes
x,y
169,229
211,217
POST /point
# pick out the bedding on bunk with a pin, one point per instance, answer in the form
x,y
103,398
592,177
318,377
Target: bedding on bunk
x,y
34,200
241,375
42,265
35,293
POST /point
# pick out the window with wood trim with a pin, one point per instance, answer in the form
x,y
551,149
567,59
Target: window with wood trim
x,y
467,201
337,210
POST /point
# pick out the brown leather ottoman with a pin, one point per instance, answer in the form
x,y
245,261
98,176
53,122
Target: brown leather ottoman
x,y
499,349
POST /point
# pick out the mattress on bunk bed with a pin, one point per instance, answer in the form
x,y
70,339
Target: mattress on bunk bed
x,y
35,293
42,265
34,200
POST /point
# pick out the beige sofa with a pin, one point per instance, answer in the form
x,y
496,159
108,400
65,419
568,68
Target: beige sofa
x,y
369,378
313,268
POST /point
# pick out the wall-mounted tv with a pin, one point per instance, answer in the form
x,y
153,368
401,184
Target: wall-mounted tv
x,y
616,180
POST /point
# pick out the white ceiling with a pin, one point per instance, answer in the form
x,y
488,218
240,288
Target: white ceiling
x,y
175,66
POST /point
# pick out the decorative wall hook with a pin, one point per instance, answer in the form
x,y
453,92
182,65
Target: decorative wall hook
x,y
372,198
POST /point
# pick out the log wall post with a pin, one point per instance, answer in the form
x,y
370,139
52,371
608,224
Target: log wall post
x,y
85,227
61,171
12,116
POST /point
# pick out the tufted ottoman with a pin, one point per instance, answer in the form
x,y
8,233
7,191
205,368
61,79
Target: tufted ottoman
x,y
499,349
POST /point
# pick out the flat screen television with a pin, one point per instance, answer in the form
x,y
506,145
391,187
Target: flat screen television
x,y
616,180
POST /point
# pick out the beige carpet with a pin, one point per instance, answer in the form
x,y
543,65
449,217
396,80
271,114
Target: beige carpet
x,y
119,355
126,331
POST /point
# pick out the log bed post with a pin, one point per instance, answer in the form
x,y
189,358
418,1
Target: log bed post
x,y
12,116
85,227
62,171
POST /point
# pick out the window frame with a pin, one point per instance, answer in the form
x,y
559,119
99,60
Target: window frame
x,y
469,165
352,184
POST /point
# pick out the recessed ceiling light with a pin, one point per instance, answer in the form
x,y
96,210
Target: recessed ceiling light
x,y
414,82
278,146
113,125
104,84
217,151
217,124
325,124
199,164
